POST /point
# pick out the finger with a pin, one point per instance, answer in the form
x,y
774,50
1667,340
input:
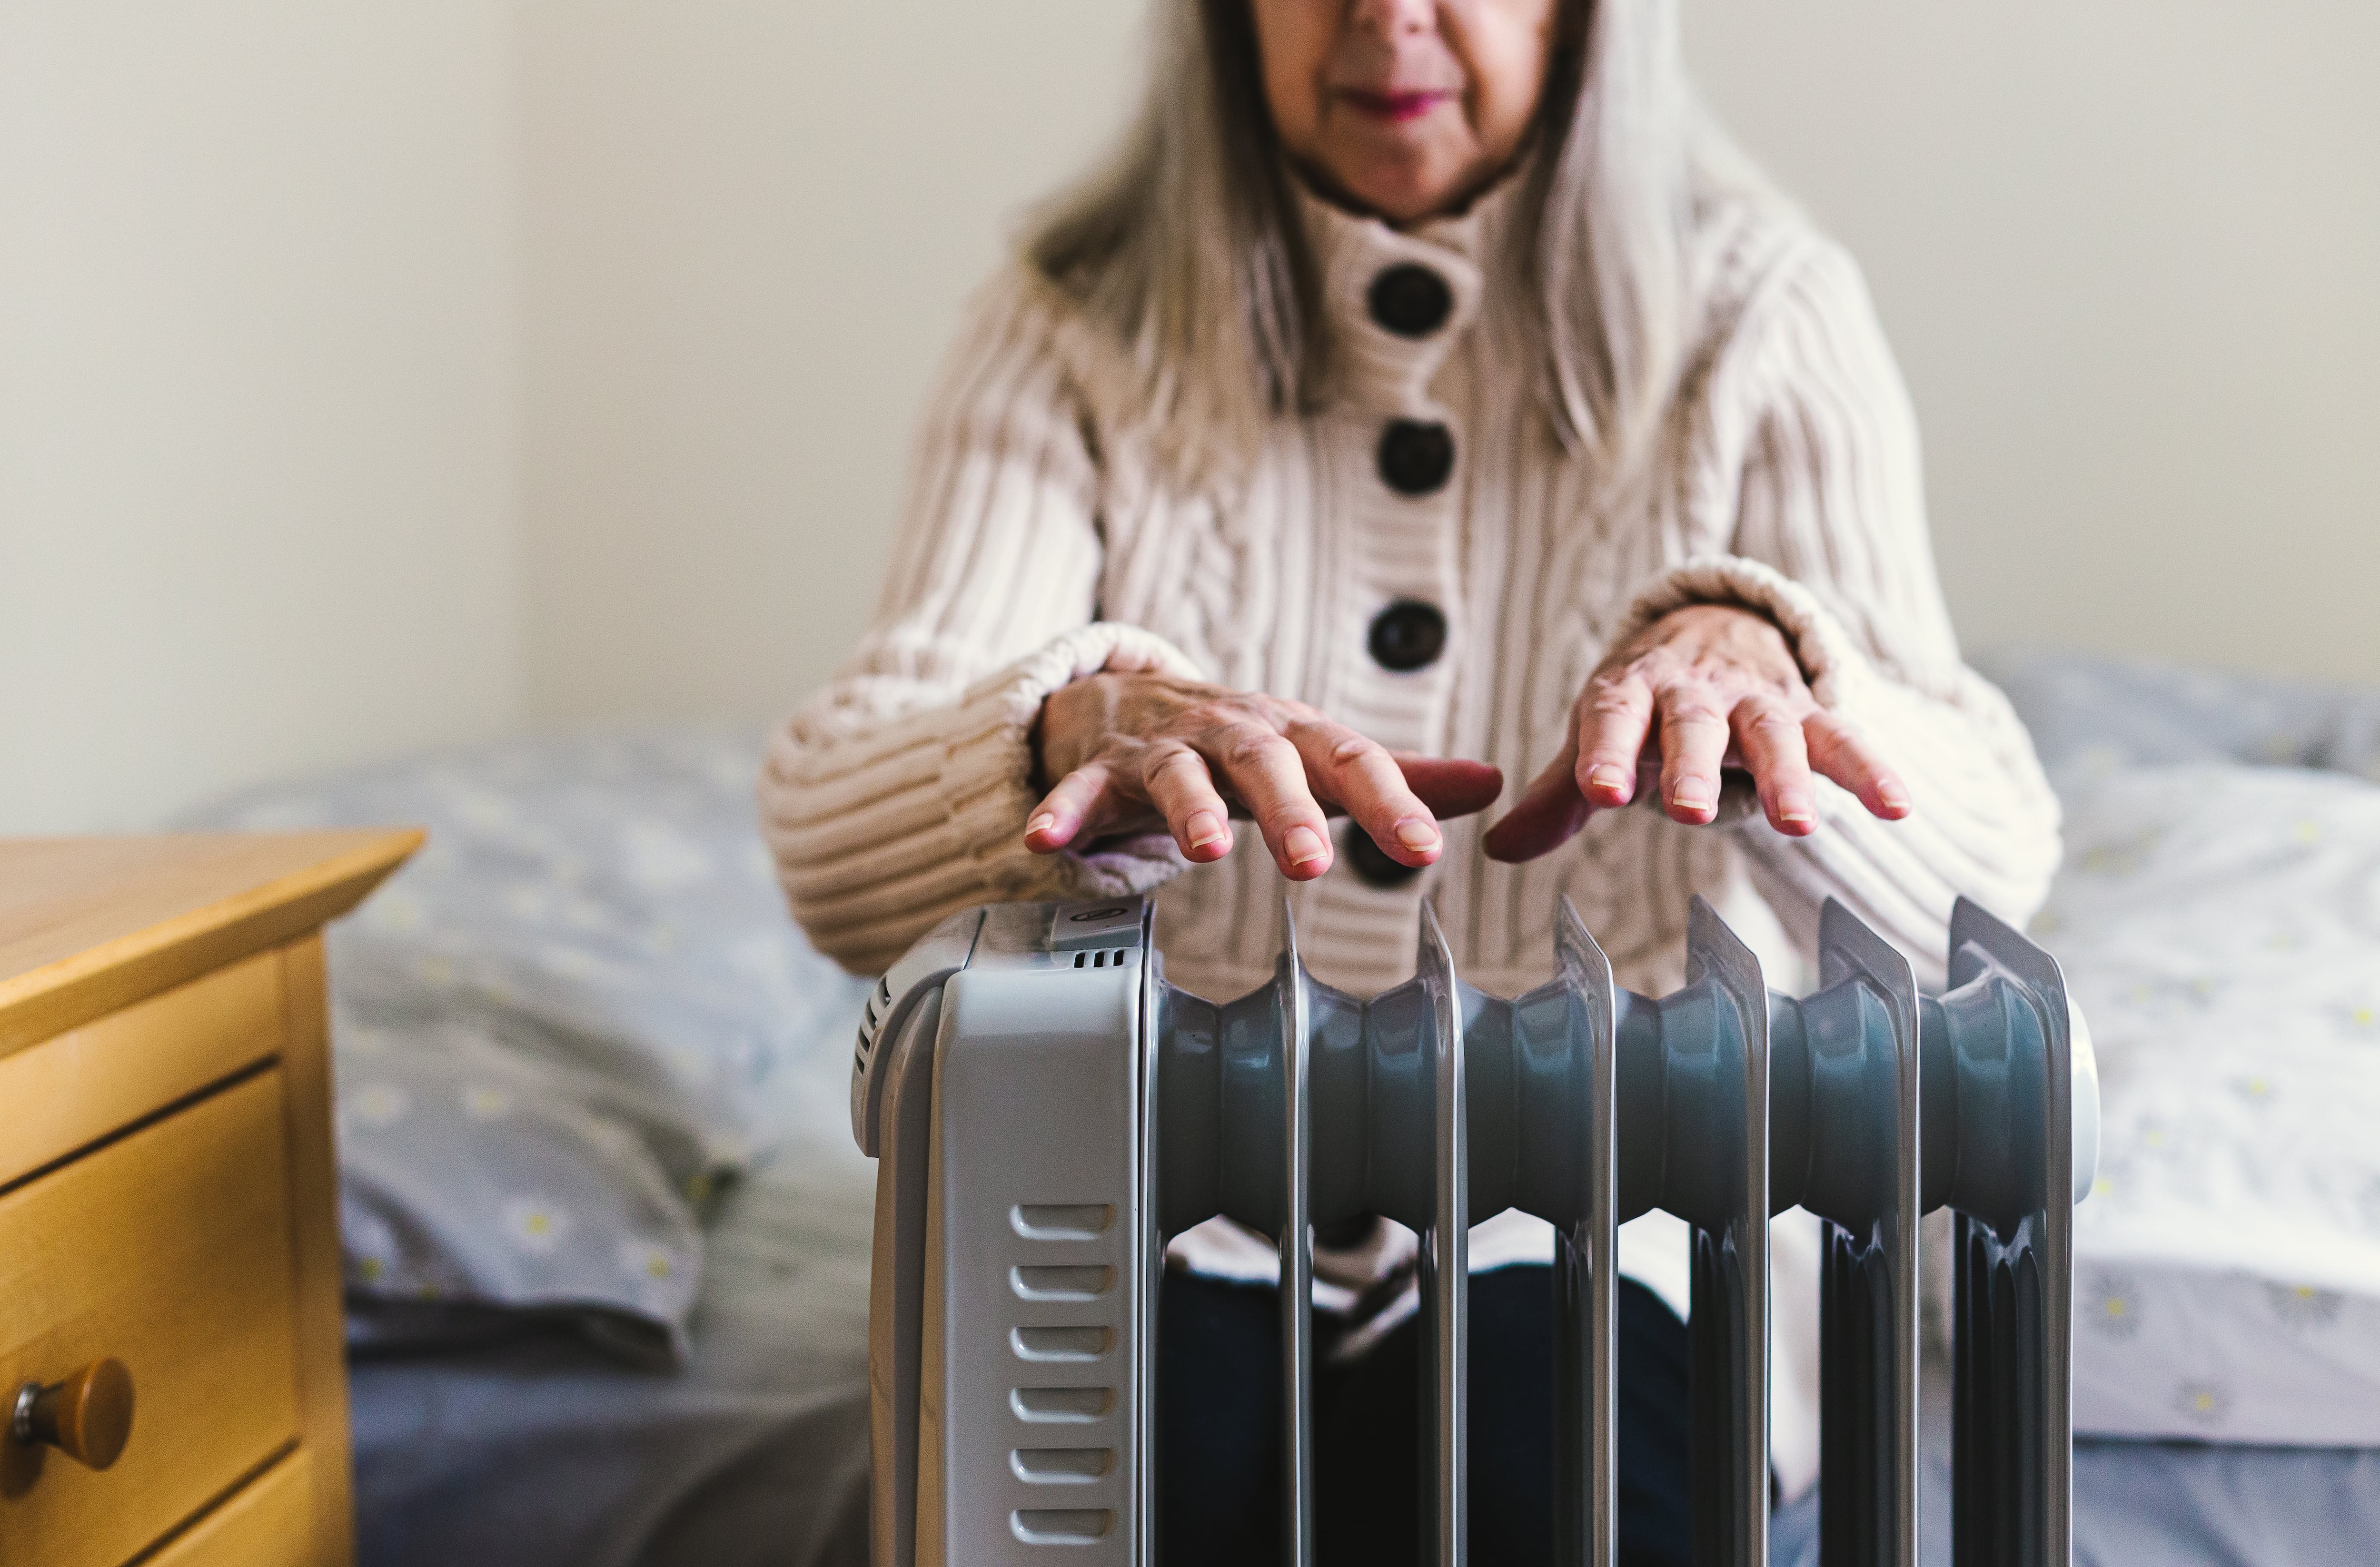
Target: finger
x,y
1080,799
1182,789
1549,814
1266,771
1449,786
1836,751
1613,720
1769,737
1359,776
1694,746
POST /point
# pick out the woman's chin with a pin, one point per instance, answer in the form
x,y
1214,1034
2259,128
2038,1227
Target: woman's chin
x,y
1402,201
1404,174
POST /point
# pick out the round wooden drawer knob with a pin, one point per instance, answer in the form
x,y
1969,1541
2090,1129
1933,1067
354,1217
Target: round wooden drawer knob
x,y
88,1416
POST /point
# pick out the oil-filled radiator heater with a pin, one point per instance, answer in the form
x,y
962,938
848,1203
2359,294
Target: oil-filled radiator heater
x,y
1046,1112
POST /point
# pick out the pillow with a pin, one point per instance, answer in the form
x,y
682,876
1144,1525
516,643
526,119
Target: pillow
x,y
557,1030
473,1176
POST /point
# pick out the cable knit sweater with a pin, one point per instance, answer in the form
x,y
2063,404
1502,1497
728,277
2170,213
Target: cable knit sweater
x,y
1043,544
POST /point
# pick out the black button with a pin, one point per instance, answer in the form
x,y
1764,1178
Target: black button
x,y
1409,300
1415,458
1371,862
1407,635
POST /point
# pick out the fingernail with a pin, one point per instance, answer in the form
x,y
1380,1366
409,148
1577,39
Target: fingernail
x,y
1206,827
1304,844
1692,794
1607,774
1795,807
1414,833
1041,822
1892,794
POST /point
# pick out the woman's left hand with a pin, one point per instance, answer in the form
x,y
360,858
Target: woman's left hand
x,y
1704,687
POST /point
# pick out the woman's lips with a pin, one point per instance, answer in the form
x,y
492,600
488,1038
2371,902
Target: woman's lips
x,y
1394,108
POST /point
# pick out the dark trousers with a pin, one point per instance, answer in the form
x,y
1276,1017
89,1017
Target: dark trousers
x,y
1219,1413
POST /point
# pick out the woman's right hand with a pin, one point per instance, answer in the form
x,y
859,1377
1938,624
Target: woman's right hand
x,y
1130,751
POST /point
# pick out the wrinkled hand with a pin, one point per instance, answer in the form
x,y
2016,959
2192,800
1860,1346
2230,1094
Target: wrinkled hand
x,y
1130,751
1703,688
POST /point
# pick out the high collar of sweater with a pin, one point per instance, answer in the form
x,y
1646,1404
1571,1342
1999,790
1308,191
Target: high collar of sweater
x,y
1379,364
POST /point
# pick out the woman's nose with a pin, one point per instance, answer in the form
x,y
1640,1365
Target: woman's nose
x,y
1390,18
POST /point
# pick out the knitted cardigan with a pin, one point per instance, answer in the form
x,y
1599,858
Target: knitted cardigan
x,y
1044,542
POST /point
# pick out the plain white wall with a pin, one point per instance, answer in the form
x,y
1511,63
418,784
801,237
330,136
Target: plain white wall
x,y
259,374
749,230
2128,252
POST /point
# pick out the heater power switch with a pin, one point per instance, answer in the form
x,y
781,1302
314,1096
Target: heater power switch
x,y
1075,927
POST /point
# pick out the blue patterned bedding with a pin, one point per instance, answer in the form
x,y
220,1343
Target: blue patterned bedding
x,y
2218,918
577,1013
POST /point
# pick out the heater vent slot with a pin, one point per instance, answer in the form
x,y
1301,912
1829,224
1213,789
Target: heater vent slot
x,y
1060,1344
1051,1221
1050,1525
1060,1406
879,1002
1105,957
1062,1284
1061,1466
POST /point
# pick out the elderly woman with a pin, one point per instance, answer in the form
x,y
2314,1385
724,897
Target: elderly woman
x,y
1427,396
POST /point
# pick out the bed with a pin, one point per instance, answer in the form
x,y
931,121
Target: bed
x,y
631,1329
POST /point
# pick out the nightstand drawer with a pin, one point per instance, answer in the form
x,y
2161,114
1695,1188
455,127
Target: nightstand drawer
x,y
169,1250
266,1522
75,1088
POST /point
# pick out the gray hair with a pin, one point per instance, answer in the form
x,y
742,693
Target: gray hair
x,y
1188,248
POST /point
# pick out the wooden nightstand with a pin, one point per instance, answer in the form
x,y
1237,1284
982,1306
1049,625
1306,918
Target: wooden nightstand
x,y
168,1200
